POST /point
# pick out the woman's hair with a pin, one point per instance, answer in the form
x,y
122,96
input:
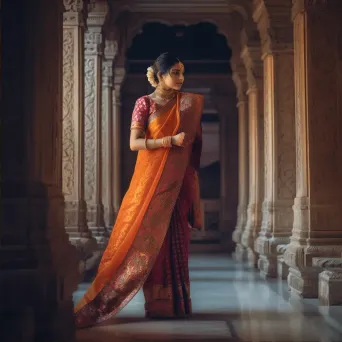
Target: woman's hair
x,y
162,64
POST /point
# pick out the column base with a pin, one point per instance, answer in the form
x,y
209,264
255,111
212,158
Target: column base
x,y
269,252
252,258
303,275
329,287
240,254
75,215
282,269
109,218
267,265
97,226
89,254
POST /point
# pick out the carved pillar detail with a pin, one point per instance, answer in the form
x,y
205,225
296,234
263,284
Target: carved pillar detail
x,y
239,78
251,57
73,120
119,76
107,132
317,206
93,117
276,32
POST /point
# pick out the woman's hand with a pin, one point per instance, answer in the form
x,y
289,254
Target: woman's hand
x,y
180,140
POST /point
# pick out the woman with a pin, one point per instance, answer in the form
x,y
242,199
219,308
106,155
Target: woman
x,y
150,241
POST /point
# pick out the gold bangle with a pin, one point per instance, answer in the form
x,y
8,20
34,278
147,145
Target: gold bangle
x,y
146,143
167,142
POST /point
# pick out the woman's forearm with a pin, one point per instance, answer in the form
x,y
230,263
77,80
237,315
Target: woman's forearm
x,y
149,144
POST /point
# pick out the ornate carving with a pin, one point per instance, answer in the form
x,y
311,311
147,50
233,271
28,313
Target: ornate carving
x,y
68,110
252,60
90,122
74,5
107,74
274,25
111,49
286,149
93,42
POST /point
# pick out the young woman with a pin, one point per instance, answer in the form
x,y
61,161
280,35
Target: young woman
x,y
149,246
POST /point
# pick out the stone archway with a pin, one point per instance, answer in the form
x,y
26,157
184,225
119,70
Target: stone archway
x,y
213,79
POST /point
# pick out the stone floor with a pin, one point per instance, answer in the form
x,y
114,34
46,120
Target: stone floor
x,y
230,303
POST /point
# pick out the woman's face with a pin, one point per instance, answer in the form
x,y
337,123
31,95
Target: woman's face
x,y
174,79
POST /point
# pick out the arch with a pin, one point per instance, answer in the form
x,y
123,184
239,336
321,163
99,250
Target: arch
x,y
157,37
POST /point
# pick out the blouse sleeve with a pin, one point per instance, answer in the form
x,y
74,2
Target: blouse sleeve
x,y
140,113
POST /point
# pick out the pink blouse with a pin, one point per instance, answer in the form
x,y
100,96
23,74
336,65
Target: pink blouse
x,y
141,113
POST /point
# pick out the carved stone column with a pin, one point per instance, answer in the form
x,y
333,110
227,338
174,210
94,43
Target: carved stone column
x,y
119,76
276,32
318,86
93,117
251,57
239,78
38,265
73,121
107,132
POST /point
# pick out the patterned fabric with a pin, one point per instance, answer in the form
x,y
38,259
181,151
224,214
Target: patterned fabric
x,y
143,220
167,288
141,113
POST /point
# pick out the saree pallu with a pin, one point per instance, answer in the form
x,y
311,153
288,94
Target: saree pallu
x,y
145,214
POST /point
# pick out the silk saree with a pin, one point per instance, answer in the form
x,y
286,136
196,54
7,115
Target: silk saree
x,y
149,245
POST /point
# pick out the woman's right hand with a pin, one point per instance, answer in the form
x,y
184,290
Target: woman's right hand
x,y
179,139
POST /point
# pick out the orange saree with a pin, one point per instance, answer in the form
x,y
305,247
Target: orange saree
x,y
162,193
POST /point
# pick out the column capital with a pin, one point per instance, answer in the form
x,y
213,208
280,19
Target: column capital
x,y
119,76
299,6
239,78
251,56
97,14
273,19
110,49
93,41
75,12
74,5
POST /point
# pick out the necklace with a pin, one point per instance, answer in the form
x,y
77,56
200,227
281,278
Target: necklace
x,y
165,94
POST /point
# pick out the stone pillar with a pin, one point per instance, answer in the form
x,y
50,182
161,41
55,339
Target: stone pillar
x,y
318,86
107,133
239,77
38,268
228,167
93,106
276,32
119,76
251,57
73,121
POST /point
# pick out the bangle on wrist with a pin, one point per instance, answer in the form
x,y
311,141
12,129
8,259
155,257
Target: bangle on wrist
x,y
166,142
146,143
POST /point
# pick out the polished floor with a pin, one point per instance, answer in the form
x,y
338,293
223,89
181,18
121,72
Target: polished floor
x,y
230,303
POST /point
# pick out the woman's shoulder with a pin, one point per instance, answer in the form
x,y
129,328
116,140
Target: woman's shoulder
x,y
192,96
143,99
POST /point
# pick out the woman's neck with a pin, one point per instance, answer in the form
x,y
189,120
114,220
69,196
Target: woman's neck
x,y
165,94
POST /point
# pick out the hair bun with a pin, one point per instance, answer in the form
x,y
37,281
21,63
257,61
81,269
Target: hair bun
x,y
151,78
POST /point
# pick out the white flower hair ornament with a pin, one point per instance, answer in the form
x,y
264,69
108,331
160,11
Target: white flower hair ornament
x,y
151,78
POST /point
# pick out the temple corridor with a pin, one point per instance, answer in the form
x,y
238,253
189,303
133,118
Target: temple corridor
x,y
231,302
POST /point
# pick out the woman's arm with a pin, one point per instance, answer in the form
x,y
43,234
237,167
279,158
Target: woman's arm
x,y
138,139
138,142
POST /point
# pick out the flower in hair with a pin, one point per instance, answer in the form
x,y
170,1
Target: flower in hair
x,y
150,77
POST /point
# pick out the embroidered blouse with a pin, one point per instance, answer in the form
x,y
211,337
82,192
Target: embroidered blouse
x,y
141,113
